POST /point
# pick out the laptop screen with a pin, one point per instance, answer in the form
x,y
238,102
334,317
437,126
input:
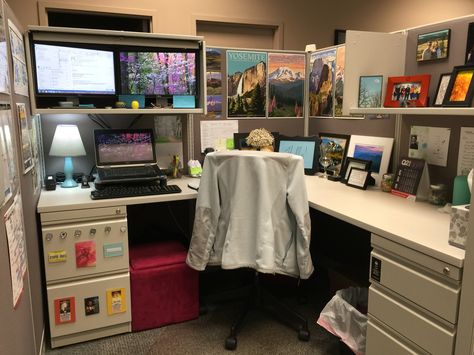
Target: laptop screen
x,y
124,147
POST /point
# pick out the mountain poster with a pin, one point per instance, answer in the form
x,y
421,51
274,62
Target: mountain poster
x,y
286,84
321,79
246,83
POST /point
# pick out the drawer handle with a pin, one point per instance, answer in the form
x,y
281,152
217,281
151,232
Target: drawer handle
x,y
446,270
118,211
49,236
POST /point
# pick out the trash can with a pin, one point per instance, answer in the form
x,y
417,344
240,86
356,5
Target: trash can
x,y
345,316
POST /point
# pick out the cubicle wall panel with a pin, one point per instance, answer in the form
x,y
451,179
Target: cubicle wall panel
x,y
85,249
90,304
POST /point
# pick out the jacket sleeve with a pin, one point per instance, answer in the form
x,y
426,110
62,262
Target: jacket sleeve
x,y
298,202
206,217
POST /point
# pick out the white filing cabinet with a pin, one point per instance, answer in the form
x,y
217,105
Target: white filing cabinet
x,y
413,301
87,273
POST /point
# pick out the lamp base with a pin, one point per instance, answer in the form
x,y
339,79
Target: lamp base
x,y
69,183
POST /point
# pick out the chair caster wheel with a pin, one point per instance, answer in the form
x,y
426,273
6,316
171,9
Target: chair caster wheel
x,y
231,343
303,334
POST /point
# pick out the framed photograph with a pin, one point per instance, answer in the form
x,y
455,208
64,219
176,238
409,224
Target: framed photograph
x,y
370,91
339,144
441,90
433,45
339,37
470,44
351,163
358,178
240,142
306,147
376,149
407,91
460,88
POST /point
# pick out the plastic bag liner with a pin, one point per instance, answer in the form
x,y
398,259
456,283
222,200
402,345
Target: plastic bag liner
x,y
345,316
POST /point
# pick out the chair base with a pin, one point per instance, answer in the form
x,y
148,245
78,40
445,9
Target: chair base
x,y
259,298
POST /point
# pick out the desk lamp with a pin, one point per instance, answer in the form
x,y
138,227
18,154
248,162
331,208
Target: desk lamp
x,y
67,143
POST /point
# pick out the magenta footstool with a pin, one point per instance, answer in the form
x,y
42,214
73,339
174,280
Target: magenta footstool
x,y
164,290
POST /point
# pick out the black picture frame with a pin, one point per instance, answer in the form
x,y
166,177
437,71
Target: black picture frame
x,y
441,89
337,157
339,37
469,57
350,163
464,93
358,178
424,41
241,144
307,147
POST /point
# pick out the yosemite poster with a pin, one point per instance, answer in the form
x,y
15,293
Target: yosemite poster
x,y
285,84
246,83
321,82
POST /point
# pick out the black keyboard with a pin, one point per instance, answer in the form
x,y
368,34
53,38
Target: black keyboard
x,y
127,172
116,191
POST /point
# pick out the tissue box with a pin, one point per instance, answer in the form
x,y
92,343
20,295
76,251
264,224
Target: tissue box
x,y
458,227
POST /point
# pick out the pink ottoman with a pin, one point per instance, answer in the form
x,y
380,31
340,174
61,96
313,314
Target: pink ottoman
x,y
164,290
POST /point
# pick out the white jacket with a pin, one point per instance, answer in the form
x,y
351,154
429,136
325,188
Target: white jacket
x,y
252,211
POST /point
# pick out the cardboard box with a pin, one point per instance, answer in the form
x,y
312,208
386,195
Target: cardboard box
x,y
458,227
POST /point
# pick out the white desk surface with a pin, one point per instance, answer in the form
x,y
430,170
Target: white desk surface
x,y
417,225
76,198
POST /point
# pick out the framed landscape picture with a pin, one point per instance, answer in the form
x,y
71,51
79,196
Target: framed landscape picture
x,y
370,91
441,90
339,144
460,88
376,149
433,45
407,91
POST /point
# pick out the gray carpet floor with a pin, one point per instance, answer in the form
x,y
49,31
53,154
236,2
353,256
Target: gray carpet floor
x,y
261,334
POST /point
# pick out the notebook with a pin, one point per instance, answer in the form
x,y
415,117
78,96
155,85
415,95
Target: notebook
x,y
125,155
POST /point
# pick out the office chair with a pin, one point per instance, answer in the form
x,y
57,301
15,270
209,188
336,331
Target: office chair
x,y
252,212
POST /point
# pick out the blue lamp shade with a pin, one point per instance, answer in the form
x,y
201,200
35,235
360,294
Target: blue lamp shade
x,y
67,143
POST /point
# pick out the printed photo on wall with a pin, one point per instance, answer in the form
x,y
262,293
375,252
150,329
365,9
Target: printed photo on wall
x,y
91,305
64,310
214,82
4,73
26,148
339,86
85,253
246,84
433,45
116,301
321,79
286,84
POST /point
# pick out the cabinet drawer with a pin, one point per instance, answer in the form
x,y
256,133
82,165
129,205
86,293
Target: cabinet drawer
x,y
428,334
80,250
381,340
417,286
67,304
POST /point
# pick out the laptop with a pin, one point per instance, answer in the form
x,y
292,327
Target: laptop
x,y
125,155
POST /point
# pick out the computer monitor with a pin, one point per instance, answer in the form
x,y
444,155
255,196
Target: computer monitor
x,y
306,147
164,73
66,70
124,146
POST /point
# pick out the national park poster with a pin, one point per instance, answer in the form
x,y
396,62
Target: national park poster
x,y
321,79
246,83
214,82
286,84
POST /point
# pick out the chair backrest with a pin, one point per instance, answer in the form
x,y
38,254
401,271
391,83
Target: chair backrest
x,y
252,211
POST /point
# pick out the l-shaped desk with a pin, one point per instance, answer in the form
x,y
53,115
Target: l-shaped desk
x,y
415,274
